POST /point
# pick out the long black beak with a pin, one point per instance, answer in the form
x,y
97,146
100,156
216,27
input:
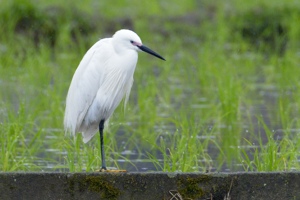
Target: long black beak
x,y
146,49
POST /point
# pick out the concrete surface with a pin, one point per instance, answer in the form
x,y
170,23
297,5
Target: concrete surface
x,y
144,186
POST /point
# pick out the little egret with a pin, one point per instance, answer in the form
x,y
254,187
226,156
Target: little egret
x,y
103,77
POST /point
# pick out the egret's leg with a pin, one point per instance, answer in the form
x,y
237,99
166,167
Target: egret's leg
x,y
103,168
101,127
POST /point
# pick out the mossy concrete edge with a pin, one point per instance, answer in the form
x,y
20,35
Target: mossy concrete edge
x,y
158,185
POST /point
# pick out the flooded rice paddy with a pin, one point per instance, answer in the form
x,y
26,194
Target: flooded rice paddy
x,y
227,98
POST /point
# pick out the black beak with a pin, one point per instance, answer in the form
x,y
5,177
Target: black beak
x,y
146,49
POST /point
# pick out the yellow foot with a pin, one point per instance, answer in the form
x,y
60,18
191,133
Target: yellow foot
x,y
111,170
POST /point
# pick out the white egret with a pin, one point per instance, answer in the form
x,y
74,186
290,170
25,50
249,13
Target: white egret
x,y
103,77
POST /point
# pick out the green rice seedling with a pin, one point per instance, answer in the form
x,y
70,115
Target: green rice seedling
x,y
184,149
18,150
274,155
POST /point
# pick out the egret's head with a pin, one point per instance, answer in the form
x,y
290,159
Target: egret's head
x,y
127,39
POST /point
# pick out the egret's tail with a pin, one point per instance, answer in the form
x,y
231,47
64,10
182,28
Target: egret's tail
x,y
89,132
87,135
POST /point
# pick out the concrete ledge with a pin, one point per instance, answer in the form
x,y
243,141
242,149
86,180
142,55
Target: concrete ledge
x,y
175,186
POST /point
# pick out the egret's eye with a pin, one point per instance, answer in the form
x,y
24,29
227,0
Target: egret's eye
x,y
131,41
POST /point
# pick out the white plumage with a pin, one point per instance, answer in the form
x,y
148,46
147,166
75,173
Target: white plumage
x,y
103,77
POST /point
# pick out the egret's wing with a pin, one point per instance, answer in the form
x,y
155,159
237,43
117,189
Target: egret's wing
x,y
85,84
115,83
128,92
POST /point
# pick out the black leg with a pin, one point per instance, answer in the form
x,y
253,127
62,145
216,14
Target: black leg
x,y
101,127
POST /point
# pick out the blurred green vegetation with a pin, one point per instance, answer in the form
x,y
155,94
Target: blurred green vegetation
x,y
226,99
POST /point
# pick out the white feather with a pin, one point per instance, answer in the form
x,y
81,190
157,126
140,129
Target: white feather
x,y
103,77
98,85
